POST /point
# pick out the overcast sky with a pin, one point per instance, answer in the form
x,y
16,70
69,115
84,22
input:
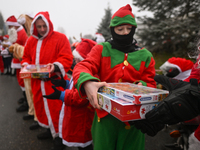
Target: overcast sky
x,y
74,16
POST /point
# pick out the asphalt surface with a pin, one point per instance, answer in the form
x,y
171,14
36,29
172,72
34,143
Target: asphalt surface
x,y
15,133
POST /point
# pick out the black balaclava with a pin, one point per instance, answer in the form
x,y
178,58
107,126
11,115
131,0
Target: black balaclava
x,y
123,42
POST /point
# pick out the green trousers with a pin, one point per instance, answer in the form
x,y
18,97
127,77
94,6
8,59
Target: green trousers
x,y
112,134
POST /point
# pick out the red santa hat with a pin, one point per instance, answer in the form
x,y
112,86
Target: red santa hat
x,y
83,48
6,37
12,21
183,65
75,44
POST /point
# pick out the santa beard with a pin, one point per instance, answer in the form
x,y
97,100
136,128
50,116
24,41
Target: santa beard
x,y
12,32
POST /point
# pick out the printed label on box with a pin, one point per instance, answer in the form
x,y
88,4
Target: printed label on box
x,y
134,93
122,109
35,71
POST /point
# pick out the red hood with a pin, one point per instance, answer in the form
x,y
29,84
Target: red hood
x,y
46,19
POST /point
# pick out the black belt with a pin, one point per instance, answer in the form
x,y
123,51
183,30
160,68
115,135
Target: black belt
x,y
45,79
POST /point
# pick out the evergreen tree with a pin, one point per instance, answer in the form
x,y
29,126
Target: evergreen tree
x,y
2,26
104,25
174,25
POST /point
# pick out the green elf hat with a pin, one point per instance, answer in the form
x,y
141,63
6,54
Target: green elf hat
x,y
123,16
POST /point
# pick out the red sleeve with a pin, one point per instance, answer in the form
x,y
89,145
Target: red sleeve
x,y
27,55
64,57
88,68
149,73
72,98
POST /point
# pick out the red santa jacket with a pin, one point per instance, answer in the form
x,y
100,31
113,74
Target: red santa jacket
x,y
53,47
77,121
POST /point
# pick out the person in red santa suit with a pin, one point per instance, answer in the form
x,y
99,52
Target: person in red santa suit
x,y
1,58
7,58
18,35
46,46
77,114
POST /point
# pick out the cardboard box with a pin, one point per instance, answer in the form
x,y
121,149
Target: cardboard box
x,y
122,109
135,93
35,71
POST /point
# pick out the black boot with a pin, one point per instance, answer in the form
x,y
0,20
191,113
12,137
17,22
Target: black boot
x,y
21,100
34,125
89,147
23,107
28,117
58,145
45,135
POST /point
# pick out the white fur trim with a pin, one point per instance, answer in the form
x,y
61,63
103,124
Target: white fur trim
x,y
25,63
32,25
183,75
194,143
61,116
46,106
22,88
75,144
62,70
15,65
77,55
167,65
9,23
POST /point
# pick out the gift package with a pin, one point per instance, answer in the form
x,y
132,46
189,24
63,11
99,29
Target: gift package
x,y
134,93
128,101
35,71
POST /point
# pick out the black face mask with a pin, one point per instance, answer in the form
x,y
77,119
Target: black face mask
x,y
123,43
123,40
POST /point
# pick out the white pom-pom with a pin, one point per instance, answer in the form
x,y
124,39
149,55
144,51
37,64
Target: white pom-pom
x,y
21,20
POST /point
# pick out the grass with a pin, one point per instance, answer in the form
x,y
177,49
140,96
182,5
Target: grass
x,y
161,58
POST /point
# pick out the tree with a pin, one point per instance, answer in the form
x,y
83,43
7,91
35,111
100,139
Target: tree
x,y
105,23
3,29
174,25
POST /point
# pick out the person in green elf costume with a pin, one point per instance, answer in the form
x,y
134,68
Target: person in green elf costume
x,y
117,60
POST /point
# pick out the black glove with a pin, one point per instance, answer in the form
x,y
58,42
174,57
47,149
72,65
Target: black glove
x,y
182,103
172,72
147,127
55,95
60,82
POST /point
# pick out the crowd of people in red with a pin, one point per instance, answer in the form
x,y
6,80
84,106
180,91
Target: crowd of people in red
x,y
66,102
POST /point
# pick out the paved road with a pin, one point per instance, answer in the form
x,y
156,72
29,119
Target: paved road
x,y
15,133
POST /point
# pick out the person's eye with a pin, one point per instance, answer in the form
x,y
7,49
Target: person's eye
x,y
120,29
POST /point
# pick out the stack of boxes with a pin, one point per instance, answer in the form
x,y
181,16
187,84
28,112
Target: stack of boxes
x,y
128,101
